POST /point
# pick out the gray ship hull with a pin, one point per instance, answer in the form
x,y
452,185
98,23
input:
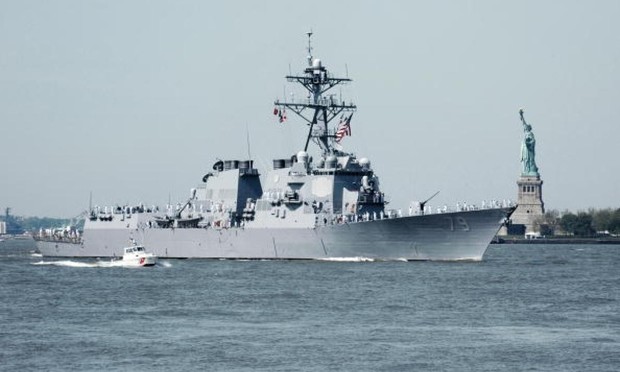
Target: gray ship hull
x,y
446,236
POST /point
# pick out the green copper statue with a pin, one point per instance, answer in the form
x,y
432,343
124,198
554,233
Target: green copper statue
x,y
528,151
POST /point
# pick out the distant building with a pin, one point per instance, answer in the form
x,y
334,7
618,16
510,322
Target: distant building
x,y
2,227
10,224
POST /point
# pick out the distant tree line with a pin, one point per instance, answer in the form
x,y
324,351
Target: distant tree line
x,y
33,224
583,224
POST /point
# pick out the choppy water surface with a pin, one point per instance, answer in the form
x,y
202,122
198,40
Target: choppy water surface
x,y
525,308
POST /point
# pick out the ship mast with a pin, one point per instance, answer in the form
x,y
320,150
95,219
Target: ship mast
x,y
318,111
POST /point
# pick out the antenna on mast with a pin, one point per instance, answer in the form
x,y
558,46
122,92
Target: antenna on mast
x,y
309,47
247,133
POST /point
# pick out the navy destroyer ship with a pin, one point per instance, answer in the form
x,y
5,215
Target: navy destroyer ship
x,y
324,205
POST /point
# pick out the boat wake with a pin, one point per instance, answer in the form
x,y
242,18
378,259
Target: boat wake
x,y
68,263
163,264
101,264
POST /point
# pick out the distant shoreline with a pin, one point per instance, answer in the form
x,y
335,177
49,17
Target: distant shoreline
x,y
554,240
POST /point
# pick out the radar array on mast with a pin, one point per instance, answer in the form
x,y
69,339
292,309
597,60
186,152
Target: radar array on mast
x,y
318,110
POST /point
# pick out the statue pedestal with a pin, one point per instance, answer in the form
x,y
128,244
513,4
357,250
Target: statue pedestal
x,y
530,205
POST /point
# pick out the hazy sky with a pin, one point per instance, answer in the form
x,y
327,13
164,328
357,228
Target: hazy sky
x,y
134,100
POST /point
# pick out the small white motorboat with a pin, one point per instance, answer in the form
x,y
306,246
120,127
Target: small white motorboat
x,y
136,255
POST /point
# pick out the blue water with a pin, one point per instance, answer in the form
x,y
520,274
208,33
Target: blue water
x,y
524,308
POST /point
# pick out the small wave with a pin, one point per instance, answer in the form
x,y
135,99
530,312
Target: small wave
x,y
164,263
11,255
457,259
36,255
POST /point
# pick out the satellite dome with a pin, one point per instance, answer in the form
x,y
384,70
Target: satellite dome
x,y
364,163
316,63
302,157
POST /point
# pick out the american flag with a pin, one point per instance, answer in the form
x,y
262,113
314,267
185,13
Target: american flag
x,y
281,114
344,128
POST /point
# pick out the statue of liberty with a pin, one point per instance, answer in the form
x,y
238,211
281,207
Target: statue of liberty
x,y
528,151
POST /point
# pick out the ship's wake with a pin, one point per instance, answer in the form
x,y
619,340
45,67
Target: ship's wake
x,y
361,259
347,259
